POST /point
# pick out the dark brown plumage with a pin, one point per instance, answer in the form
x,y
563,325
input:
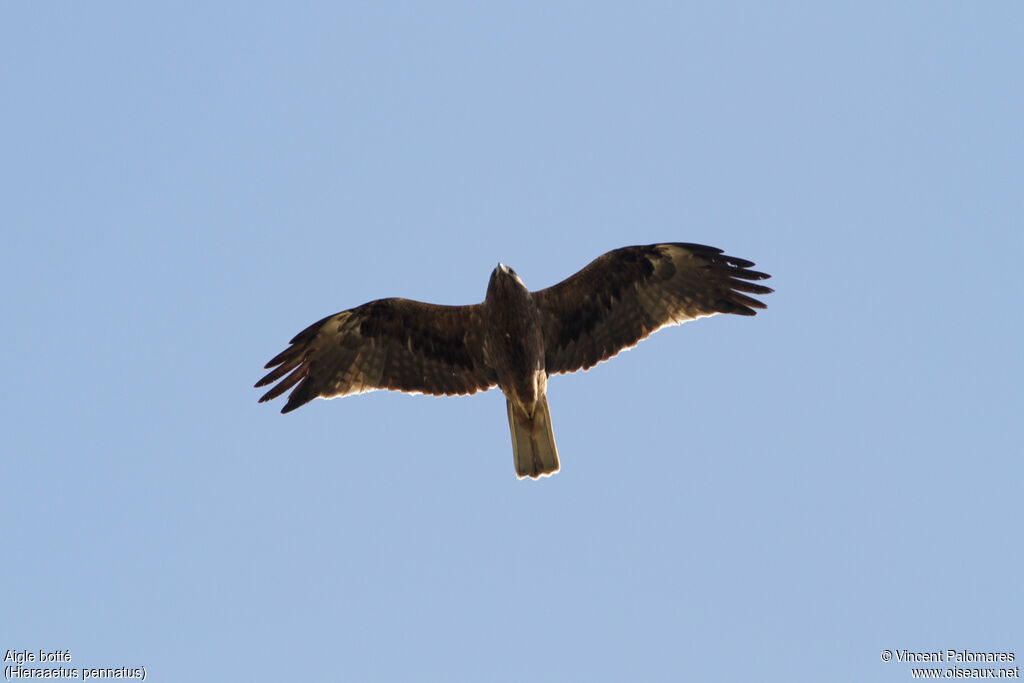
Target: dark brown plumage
x,y
515,339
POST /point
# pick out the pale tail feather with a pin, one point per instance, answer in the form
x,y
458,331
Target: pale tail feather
x,y
533,442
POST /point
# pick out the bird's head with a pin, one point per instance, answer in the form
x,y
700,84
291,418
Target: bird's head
x,y
503,279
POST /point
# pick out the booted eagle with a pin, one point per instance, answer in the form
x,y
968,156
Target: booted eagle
x,y
516,338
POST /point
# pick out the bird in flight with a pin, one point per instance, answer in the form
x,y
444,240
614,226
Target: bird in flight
x,y
516,338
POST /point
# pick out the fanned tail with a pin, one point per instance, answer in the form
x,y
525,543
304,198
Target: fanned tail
x,y
533,442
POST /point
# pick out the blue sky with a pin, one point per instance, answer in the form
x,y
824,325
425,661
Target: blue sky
x,y
778,498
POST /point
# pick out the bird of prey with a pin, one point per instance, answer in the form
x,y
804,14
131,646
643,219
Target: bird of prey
x,y
516,338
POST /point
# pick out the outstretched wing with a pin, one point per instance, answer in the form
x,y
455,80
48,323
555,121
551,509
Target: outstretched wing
x,y
630,293
394,344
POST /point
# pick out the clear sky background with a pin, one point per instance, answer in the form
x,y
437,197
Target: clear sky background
x,y
780,498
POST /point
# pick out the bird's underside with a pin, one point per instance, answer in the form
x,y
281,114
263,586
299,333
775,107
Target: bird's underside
x,y
515,339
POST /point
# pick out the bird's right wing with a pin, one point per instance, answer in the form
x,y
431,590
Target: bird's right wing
x,y
394,344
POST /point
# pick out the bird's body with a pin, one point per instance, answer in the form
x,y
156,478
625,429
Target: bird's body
x,y
514,346
515,339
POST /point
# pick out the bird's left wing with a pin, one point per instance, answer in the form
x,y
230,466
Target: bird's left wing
x,y
629,293
394,344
